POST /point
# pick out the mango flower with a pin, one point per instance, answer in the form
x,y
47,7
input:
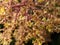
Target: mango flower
x,y
21,17
2,10
7,25
6,1
40,1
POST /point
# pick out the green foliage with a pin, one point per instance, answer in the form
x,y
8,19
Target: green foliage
x,y
1,26
13,41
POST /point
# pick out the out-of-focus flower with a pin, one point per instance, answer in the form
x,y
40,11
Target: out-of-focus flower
x,y
40,1
44,19
49,28
30,23
6,1
21,17
7,25
2,10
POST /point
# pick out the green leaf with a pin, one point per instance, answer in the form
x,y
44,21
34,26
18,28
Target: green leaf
x,y
1,26
13,41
